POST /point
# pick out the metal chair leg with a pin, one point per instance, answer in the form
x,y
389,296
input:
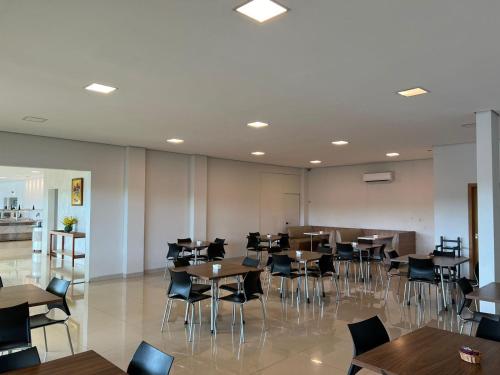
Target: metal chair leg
x,y
191,324
166,314
242,333
263,311
69,339
45,339
186,313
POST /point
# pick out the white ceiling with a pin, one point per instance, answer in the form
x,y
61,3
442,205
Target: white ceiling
x,y
197,70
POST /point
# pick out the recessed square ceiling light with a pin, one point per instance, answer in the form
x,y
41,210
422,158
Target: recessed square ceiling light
x,y
315,162
34,119
392,154
340,143
101,89
258,153
175,140
261,10
258,124
413,92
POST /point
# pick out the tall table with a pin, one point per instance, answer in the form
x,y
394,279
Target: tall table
x,y
73,236
205,271
430,351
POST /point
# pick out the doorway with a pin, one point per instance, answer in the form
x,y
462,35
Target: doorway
x,y
473,231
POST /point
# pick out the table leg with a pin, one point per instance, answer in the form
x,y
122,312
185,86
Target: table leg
x,y
361,264
311,242
442,289
306,284
62,247
213,312
73,253
51,247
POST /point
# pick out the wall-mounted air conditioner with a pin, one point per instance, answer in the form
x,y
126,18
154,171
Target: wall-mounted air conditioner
x,y
378,177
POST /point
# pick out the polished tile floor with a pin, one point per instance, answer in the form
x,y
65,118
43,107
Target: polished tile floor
x,y
112,317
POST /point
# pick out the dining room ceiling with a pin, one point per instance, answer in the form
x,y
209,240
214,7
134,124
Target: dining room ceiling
x,y
199,71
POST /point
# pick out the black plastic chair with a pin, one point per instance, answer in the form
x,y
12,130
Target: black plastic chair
x,y
19,360
489,329
195,287
475,316
181,289
401,271
422,271
1,282
184,240
252,290
174,252
367,335
220,241
15,327
283,244
253,244
148,360
236,287
282,268
325,269
58,287
345,254
254,234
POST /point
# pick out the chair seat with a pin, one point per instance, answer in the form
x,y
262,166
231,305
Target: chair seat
x,y
233,287
193,298
238,298
292,275
416,279
318,274
41,320
200,288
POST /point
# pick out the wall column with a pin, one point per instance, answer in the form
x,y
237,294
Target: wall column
x,y
198,197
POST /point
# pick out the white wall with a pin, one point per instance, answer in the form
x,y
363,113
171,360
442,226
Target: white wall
x,y
339,197
29,192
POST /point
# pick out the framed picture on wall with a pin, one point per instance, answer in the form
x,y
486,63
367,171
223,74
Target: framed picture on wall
x,y
77,191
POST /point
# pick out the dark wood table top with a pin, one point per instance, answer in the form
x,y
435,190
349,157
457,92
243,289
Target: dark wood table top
x,y
431,351
438,260
194,244
35,296
230,267
305,256
67,234
489,292
86,363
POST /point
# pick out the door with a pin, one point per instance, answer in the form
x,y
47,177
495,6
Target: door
x,y
473,232
291,210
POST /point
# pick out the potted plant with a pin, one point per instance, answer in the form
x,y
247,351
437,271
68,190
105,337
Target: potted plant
x,y
68,223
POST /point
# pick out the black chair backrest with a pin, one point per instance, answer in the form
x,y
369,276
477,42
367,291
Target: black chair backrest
x,y
324,249
59,287
174,251
466,288
215,250
220,241
393,265
489,329
19,360
184,240
181,262
15,326
250,262
253,242
1,282
148,360
284,241
367,335
421,269
254,234
378,251
446,245
252,284
345,251
282,264
325,264
438,253
180,284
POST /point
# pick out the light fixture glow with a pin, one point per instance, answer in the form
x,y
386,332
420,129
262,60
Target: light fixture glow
x,y
34,119
257,124
413,92
261,10
1,178
101,89
392,154
340,143
35,171
258,153
175,140
315,162
316,361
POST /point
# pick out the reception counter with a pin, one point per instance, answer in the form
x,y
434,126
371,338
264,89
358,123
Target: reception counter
x,y
16,230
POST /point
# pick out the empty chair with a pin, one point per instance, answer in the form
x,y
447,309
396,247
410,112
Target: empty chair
x,y
376,256
221,241
181,289
253,244
184,240
1,282
254,234
475,316
325,269
59,288
282,268
236,287
489,329
19,360
15,327
215,251
345,254
148,360
394,269
282,245
366,335
422,271
174,252
252,290
197,288
324,249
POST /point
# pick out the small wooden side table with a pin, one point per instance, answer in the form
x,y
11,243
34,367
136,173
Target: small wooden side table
x,y
53,244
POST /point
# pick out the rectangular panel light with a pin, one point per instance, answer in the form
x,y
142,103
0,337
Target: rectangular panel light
x,y
413,92
101,89
261,10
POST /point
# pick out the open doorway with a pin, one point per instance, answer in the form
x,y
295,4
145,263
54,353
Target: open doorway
x,y
473,231
34,204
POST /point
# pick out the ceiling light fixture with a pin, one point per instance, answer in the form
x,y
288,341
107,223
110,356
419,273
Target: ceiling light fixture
x,y
35,171
101,89
261,10
175,140
315,162
316,361
413,92
257,124
340,143
392,154
34,119
258,153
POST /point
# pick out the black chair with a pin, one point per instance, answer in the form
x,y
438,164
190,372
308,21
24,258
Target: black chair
x,y
253,244
215,251
324,249
283,244
475,316
489,329
254,234
325,269
174,252
282,268
180,288
236,287
19,360
376,255
15,327
195,287
220,241
184,240
1,282
58,287
252,290
366,335
422,271
185,249
148,360
345,255
400,271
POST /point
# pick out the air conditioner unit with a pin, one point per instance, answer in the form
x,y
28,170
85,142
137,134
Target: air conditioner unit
x,y
378,177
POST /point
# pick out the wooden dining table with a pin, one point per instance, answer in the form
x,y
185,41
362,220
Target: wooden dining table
x,y
205,271
430,351
17,294
490,293
86,363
